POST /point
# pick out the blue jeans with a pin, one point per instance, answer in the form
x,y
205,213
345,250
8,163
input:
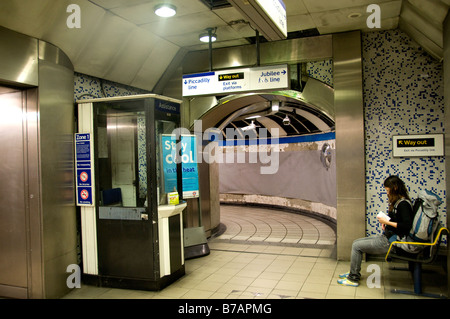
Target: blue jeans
x,y
375,245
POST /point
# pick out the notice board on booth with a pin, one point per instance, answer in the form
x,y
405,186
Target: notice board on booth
x,y
84,169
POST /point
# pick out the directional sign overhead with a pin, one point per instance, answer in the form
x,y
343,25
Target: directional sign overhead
x,y
267,16
236,80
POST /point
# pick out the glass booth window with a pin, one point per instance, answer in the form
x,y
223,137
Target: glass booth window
x,y
122,158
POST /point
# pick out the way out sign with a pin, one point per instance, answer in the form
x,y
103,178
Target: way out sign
x,y
418,145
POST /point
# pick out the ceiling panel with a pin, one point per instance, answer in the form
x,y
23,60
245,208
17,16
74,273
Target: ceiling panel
x,y
156,63
295,7
434,11
102,46
300,22
110,4
354,17
143,13
130,57
413,18
196,22
326,5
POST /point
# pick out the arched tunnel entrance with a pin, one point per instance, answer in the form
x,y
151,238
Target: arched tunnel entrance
x,y
273,169
341,57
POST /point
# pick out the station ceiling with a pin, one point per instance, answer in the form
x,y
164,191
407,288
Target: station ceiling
x,y
125,42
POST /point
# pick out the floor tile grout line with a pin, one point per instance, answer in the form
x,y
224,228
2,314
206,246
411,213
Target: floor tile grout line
x,y
268,253
265,243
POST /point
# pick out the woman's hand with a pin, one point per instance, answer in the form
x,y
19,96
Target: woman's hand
x,y
384,222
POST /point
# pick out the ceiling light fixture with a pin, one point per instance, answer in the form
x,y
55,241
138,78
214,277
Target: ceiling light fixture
x,y
204,37
354,15
165,10
275,105
253,117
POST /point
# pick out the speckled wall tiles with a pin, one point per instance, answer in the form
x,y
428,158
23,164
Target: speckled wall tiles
x,y
321,71
403,95
88,87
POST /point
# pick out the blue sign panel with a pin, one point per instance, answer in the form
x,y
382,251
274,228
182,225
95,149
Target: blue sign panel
x,y
83,159
169,165
188,165
83,147
84,195
84,177
167,107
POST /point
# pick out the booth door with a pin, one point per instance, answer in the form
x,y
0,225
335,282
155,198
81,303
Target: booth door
x,y
124,229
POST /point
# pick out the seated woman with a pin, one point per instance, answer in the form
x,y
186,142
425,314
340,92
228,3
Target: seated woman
x,y
398,224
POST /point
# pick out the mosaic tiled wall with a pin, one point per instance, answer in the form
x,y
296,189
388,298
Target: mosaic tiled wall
x,y
88,87
321,71
403,95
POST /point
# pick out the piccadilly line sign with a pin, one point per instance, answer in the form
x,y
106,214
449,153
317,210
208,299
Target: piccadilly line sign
x,y
236,80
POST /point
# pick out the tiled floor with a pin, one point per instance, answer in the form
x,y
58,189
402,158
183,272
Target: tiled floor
x,y
266,254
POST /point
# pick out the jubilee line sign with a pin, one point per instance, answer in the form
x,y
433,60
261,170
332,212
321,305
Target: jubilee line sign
x,y
236,80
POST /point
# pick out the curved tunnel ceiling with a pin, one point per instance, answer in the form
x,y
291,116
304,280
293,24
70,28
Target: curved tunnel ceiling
x,y
298,113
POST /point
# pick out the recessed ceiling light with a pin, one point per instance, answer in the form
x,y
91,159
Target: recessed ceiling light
x,y
275,105
354,15
165,10
204,37
253,117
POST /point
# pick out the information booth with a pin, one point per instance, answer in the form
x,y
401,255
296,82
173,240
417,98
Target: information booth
x,y
131,235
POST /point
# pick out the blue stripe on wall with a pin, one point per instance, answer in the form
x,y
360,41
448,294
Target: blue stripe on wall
x,y
281,140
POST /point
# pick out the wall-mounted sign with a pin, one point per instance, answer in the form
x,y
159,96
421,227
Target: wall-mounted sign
x,y
83,166
236,80
167,107
418,145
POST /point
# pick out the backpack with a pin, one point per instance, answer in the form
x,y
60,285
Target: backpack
x,y
424,223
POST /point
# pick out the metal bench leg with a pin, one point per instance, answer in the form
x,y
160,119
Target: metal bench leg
x,y
417,277
416,269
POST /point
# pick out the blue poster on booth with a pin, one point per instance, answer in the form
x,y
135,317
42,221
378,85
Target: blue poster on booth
x,y
169,165
188,165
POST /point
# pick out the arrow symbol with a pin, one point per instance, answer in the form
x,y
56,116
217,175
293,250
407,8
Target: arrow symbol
x,y
185,81
283,72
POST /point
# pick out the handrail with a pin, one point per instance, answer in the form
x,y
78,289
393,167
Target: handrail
x,y
417,243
